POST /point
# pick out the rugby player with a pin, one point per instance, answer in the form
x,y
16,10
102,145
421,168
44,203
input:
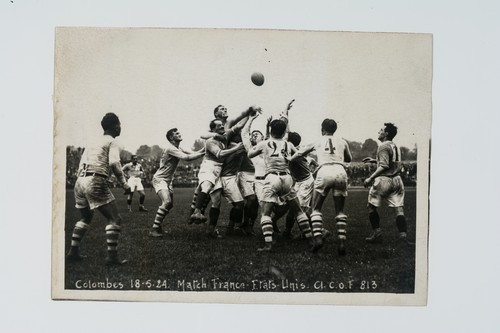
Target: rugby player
x,y
333,154
220,113
303,182
215,153
251,138
164,176
92,190
386,184
278,184
133,172
227,186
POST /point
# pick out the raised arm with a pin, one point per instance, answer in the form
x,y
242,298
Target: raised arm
x,y
186,156
246,132
303,151
231,122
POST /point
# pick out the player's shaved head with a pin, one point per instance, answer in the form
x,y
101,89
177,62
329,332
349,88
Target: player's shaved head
x,y
278,128
329,126
391,130
294,138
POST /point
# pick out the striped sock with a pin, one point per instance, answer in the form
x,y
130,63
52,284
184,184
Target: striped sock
x,y
193,202
78,233
267,228
112,235
317,224
341,221
304,226
160,216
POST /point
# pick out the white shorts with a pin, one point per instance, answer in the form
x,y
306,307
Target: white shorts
x,y
278,189
304,191
92,192
331,176
230,189
135,184
161,184
258,187
209,171
246,182
390,189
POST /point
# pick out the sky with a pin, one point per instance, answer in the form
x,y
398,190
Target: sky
x,y
157,79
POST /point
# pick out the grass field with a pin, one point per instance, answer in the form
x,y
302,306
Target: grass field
x,y
185,255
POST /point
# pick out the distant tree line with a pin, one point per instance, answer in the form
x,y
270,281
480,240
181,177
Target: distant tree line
x,y
186,175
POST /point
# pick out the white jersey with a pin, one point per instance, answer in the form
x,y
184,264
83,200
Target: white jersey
x,y
330,150
276,154
100,155
260,166
133,170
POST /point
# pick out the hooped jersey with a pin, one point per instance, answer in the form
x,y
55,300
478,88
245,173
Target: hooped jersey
x,y
330,150
276,154
389,157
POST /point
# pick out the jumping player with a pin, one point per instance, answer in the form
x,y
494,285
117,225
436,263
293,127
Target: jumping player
x,y
386,184
92,189
215,153
279,184
133,172
333,154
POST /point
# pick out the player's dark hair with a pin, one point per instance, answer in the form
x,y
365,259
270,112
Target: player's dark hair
x,y
257,131
329,126
294,138
391,130
212,124
278,128
217,109
109,121
170,133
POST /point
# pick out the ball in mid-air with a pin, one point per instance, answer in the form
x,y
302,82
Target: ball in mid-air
x,y
257,79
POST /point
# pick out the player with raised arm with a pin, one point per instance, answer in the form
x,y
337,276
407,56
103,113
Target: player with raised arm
x,y
278,184
251,138
133,172
210,169
333,155
386,184
220,113
92,191
164,176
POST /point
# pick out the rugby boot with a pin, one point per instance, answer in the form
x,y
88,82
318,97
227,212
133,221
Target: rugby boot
x,y
113,260
317,243
74,255
267,247
157,232
375,237
142,209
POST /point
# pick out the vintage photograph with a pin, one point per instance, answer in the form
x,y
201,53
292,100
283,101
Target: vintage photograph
x,y
241,166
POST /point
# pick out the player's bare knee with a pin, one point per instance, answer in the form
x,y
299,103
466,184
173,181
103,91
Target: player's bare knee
x,y
400,211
